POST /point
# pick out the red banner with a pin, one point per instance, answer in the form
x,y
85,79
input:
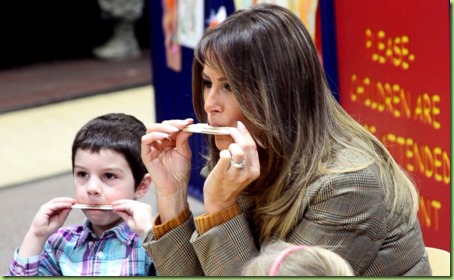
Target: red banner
x,y
394,78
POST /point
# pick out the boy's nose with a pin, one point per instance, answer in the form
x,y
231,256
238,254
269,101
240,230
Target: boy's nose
x,y
93,187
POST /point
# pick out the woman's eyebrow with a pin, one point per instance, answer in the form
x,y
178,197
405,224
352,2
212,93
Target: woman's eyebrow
x,y
220,79
205,76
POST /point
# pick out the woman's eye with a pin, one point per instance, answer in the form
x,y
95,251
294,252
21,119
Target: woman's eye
x,y
227,87
206,83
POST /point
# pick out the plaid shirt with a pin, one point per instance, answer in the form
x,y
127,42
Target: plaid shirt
x,y
76,251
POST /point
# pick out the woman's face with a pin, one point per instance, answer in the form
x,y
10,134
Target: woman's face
x,y
221,106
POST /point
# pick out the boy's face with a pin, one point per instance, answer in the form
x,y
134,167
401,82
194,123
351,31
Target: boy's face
x,y
101,178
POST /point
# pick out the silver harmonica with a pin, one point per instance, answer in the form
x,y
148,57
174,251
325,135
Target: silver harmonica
x,y
207,129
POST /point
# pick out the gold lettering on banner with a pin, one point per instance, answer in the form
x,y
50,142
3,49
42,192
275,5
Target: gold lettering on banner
x,y
428,214
392,95
426,109
393,50
430,162
393,99
433,163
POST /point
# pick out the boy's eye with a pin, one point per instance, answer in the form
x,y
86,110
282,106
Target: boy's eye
x,y
81,174
110,176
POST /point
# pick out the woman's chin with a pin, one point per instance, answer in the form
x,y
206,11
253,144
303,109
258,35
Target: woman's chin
x,y
223,141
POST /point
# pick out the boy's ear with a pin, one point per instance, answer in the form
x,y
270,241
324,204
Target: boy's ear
x,y
143,187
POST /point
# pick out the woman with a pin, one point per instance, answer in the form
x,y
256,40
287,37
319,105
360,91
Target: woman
x,y
295,167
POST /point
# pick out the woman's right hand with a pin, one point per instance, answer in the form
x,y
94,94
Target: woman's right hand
x,y
167,157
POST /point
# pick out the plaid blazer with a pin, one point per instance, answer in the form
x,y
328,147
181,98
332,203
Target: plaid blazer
x,y
341,212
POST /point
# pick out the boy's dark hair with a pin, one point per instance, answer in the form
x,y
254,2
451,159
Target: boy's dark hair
x,y
118,132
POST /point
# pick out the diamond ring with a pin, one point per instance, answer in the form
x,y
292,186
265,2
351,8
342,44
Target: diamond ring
x,y
238,165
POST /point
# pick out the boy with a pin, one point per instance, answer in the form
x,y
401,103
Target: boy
x,y
107,167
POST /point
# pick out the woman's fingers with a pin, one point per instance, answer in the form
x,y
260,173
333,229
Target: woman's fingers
x,y
237,167
244,151
167,155
238,158
163,136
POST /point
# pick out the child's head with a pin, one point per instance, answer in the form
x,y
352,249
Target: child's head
x,y
284,259
107,165
117,132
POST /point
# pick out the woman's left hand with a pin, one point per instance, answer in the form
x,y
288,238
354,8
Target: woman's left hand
x,y
237,167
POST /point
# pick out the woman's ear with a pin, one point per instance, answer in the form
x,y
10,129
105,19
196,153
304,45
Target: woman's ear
x,y
143,187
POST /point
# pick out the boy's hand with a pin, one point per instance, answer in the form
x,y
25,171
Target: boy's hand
x,y
137,215
49,218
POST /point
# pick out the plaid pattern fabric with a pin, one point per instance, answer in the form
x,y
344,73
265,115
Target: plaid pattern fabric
x,y
344,213
76,251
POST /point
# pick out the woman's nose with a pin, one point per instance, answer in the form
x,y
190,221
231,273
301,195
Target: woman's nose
x,y
212,101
